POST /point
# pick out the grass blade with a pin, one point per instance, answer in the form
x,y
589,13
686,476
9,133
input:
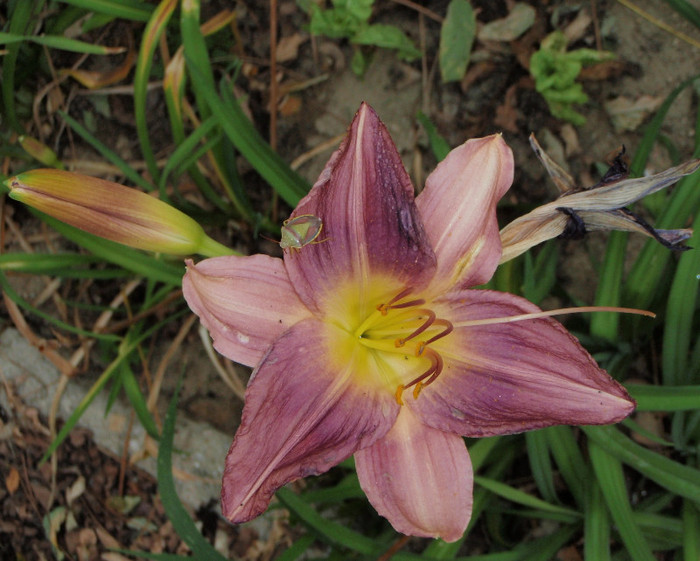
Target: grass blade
x,y
609,292
20,21
330,532
130,259
106,153
125,9
125,350
680,310
691,531
569,460
612,484
290,186
520,497
677,478
154,29
689,12
540,464
665,398
596,527
61,43
182,522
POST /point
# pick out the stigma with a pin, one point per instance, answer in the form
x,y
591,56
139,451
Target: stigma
x,y
404,325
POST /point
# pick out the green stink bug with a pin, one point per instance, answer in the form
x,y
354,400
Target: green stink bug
x,y
300,231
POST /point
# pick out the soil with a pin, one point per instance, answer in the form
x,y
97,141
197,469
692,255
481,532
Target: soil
x,y
86,496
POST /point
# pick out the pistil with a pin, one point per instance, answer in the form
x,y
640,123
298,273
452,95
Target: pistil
x,y
385,331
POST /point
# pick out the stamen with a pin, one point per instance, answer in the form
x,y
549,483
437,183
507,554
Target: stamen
x,y
384,308
448,329
427,323
431,374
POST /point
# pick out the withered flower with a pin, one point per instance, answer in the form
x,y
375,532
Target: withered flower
x,y
579,210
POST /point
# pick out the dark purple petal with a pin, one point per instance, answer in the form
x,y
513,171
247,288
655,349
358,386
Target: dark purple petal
x,y
371,227
303,414
512,377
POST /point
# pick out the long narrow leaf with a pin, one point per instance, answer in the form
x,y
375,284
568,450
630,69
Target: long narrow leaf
x,y
329,531
126,9
182,522
106,153
520,497
61,43
665,398
125,351
675,477
20,21
596,528
569,460
128,258
691,531
156,25
612,483
290,186
22,303
138,402
680,311
609,291
646,273
540,464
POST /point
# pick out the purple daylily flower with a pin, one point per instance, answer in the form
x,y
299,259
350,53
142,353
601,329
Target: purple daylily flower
x,y
372,342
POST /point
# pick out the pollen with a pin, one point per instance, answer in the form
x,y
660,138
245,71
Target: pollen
x,y
398,321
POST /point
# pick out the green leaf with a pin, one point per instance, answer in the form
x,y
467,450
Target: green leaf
x,y
680,312
675,477
125,350
456,40
138,401
55,42
182,522
609,291
388,37
130,259
665,398
150,37
688,11
290,186
20,22
329,531
438,144
596,528
540,463
612,484
125,9
525,499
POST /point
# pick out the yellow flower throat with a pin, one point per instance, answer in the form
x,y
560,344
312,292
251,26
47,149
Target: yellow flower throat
x,y
399,322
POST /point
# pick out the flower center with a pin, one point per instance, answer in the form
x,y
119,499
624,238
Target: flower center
x,y
405,326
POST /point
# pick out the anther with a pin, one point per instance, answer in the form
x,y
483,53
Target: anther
x,y
399,391
425,379
391,304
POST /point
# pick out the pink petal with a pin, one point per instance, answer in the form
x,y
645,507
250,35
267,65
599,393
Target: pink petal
x,y
512,377
244,302
419,478
371,226
458,208
301,417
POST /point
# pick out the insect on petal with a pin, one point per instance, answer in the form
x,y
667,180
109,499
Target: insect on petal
x,y
300,231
